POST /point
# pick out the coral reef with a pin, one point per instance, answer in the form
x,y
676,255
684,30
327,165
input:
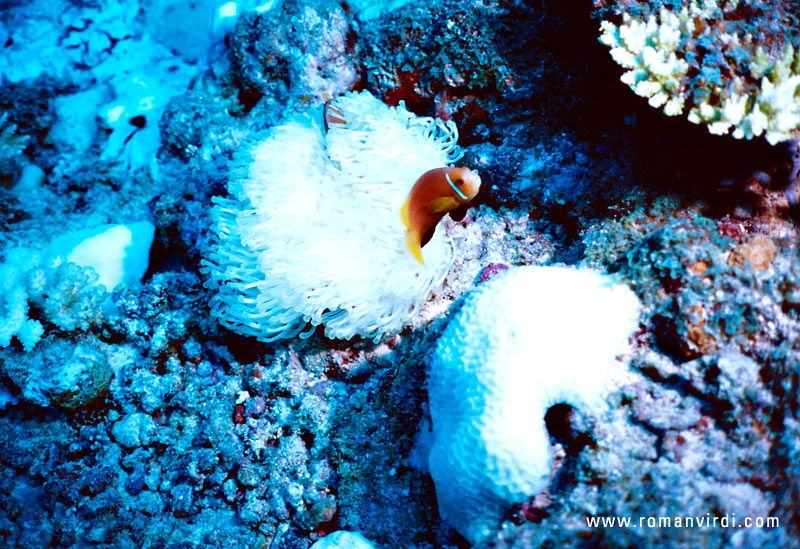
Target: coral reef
x,y
343,540
681,264
118,254
90,53
12,147
68,280
14,319
63,373
418,51
176,25
130,418
198,125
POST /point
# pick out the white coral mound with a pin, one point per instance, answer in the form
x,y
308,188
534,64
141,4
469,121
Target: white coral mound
x,y
311,233
528,339
342,539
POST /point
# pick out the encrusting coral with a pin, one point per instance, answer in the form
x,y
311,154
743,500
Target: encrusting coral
x,y
734,64
311,233
278,48
529,338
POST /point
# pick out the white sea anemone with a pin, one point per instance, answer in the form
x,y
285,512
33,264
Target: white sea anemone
x,y
311,233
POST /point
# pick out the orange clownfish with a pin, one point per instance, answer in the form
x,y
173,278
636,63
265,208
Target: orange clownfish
x,y
436,193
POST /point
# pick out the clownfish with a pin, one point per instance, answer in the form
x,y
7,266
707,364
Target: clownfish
x,y
436,193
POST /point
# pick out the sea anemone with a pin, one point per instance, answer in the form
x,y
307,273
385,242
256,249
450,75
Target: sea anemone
x,y
311,232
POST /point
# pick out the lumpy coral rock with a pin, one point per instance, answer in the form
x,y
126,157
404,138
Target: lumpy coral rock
x,y
293,49
312,232
419,50
529,338
61,373
759,251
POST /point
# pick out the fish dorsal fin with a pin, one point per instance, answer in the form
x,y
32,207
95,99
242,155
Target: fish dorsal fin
x,y
442,205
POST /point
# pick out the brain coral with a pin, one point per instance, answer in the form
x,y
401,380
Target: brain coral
x,y
311,233
529,338
342,539
734,63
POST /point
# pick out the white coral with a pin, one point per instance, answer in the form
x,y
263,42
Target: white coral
x,y
648,49
342,539
651,51
311,233
113,255
528,339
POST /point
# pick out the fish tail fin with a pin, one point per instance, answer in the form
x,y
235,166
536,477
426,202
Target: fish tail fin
x,y
413,243
404,213
413,240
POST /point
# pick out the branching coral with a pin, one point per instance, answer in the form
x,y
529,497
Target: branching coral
x,y
312,232
14,319
734,64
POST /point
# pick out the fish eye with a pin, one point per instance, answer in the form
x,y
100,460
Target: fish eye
x,y
459,181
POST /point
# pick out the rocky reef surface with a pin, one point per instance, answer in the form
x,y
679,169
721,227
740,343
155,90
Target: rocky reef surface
x,y
130,418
